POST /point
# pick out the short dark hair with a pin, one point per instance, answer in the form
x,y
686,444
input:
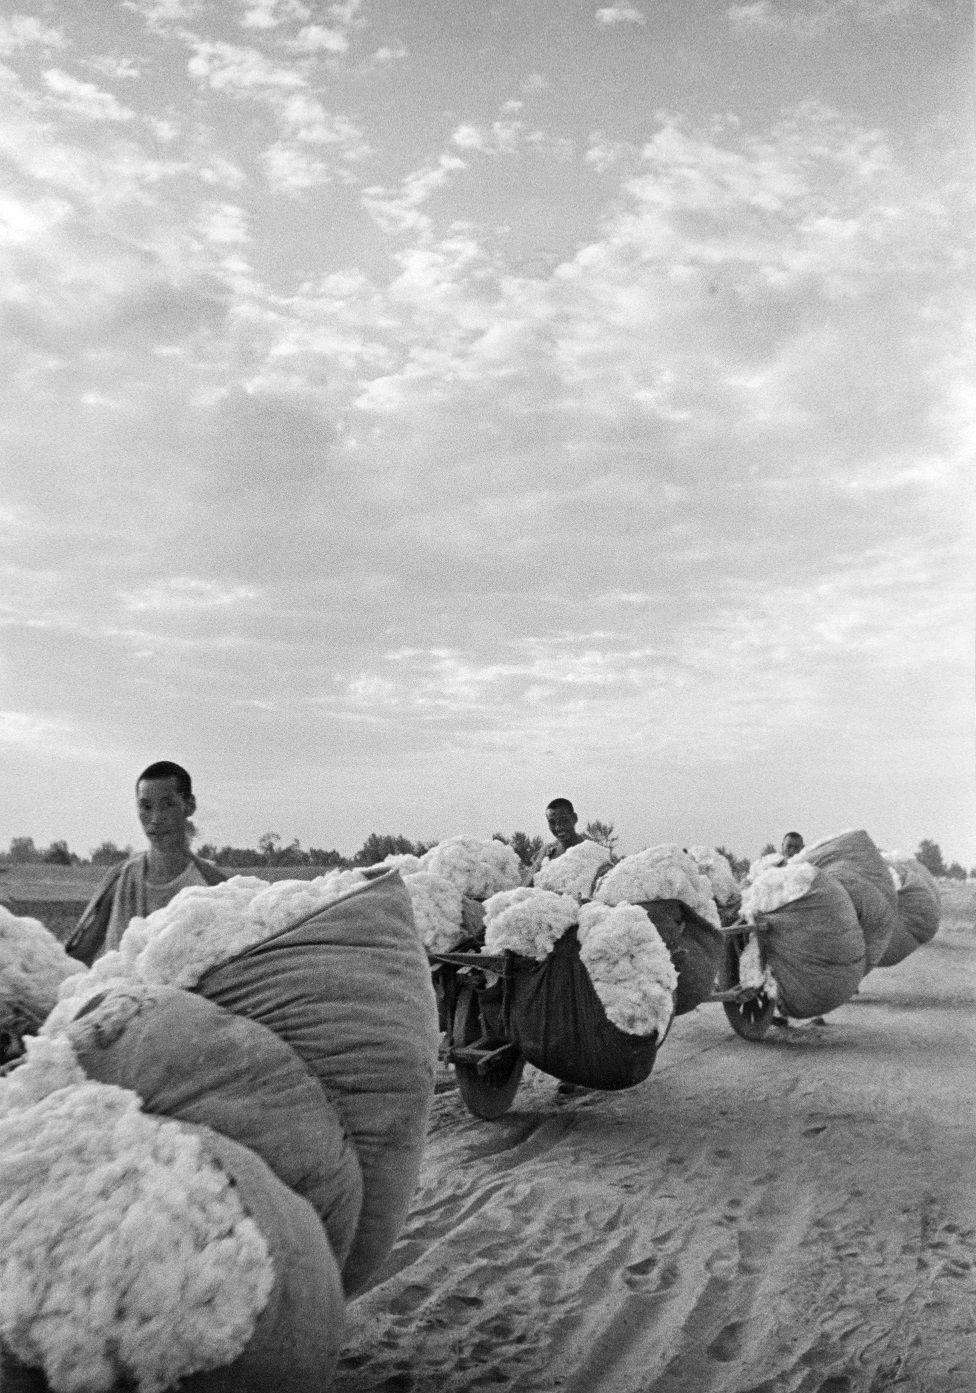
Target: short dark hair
x,y
166,769
793,834
561,803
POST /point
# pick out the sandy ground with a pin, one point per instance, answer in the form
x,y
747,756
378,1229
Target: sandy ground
x,y
797,1216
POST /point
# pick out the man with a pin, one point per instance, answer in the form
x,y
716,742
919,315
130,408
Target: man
x,y
165,804
561,818
792,845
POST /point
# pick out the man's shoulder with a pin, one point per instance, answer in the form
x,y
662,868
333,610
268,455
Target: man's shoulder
x,y
212,873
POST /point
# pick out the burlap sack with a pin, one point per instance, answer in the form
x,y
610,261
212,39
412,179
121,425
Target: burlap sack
x,y
349,989
191,1060
919,911
854,860
695,948
815,949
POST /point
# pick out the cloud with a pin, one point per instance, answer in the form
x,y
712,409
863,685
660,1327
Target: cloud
x,y
19,32
84,99
181,593
620,14
228,68
815,17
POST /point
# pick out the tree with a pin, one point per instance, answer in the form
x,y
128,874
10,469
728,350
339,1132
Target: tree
x,y
739,864
526,848
930,855
954,871
602,833
108,854
23,850
318,857
767,850
379,845
58,854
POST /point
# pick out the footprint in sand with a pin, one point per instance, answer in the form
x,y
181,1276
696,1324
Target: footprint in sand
x,y
727,1343
645,1275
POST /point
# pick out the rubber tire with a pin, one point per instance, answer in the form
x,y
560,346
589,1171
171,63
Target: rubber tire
x,y
489,1095
750,1019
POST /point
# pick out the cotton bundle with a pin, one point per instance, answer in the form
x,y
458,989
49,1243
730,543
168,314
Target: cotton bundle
x,y
853,859
659,873
438,910
629,966
574,872
33,964
752,973
208,924
405,862
478,868
919,907
725,889
776,886
764,863
527,921
125,1253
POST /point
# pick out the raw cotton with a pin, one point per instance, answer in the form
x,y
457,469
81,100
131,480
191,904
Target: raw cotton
x,y
125,1253
527,921
725,889
629,966
477,867
405,862
752,973
764,863
205,925
659,873
574,872
776,886
438,910
28,947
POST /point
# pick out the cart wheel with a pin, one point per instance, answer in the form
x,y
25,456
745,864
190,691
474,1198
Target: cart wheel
x,y
750,1019
490,1094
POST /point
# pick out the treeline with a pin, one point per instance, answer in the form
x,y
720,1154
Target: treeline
x,y
271,850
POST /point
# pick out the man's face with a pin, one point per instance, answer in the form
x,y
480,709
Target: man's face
x,y
562,823
791,846
163,812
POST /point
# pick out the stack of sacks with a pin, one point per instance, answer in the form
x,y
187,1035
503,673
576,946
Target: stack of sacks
x,y
853,859
575,871
919,906
666,882
143,1253
33,964
811,941
338,974
725,888
592,997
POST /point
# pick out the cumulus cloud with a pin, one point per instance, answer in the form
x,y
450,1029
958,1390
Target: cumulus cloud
x,y
20,31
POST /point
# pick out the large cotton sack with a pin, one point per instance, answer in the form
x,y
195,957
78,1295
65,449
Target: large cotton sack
x,y
349,989
296,1338
695,947
552,1013
919,910
191,1060
854,860
815,949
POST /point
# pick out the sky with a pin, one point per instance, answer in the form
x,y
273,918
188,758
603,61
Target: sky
x,y
415,410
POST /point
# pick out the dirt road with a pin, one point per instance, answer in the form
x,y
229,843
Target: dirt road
x,y
792,1217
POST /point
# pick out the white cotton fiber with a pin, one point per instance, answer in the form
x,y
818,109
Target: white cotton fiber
x,y
438,910
125,1253
776,886
711,863
629,966
574,872
659,873
479,868
527,921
